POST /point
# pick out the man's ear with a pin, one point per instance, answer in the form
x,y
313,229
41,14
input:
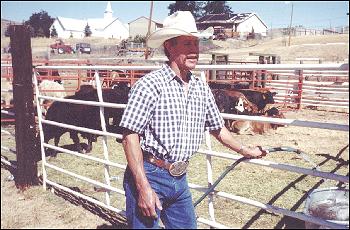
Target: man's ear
x,y
168,49
166,45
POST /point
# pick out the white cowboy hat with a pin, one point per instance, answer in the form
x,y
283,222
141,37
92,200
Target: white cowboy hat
x,y
177,24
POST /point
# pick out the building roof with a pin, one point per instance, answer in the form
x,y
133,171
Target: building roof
x,y
227,18
98,24
145,18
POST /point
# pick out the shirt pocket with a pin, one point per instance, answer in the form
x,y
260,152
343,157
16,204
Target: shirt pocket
x,y
196,107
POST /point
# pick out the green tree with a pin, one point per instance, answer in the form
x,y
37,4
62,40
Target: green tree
x,y
216,7
87,31
193,6
41,21
139,39
31,30
53,33
40,33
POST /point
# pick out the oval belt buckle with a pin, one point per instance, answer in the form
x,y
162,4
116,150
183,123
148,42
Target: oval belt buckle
x,y
178,168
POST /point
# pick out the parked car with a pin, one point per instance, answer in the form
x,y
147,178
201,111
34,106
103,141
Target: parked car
x,y
61,48
83,48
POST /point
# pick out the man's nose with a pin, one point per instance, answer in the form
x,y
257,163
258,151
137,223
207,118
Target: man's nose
x,y
194,49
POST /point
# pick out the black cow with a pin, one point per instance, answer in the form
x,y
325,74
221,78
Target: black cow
x,y
215,85
109,76
259,97
233,102
222,101
84,115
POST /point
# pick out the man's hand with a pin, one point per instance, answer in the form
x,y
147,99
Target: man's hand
x,y
256,152
148,202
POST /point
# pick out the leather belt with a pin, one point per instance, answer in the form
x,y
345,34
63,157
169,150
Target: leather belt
x,y
176,168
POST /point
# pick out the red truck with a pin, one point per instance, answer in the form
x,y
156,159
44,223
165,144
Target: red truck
x,y
61,48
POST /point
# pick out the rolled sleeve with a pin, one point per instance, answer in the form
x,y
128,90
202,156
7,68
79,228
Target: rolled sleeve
x,y
214,120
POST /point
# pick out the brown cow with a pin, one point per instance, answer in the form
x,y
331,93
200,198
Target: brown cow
x,y
243,105
255,127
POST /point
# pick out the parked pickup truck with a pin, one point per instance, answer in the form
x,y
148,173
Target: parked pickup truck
x,y
61,48
83,48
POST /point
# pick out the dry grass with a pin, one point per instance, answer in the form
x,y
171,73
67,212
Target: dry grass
x,y
236,49
299,48
276,187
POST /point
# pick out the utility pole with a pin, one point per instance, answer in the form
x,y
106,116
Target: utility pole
x,y
271,31
149,29
290,25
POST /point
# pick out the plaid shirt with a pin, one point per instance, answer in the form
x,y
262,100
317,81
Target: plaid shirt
x,y
170,123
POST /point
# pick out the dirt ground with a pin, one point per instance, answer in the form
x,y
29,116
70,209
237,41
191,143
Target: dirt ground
x,y
36,208
27,209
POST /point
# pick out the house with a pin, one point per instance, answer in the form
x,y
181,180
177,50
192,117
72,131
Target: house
x,y
106,27
139,26
233,24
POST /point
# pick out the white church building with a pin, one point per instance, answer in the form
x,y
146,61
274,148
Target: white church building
x,y
106,27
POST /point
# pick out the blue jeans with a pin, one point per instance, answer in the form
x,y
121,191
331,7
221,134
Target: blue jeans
x,y
173,193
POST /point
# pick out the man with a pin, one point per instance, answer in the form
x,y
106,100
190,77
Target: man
x,y
167,113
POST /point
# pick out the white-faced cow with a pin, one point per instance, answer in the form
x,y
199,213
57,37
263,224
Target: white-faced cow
x,y
259,97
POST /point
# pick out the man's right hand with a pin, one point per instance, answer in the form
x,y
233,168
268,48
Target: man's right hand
x,y
148,202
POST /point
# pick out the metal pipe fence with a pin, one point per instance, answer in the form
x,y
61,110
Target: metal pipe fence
x,y
207,152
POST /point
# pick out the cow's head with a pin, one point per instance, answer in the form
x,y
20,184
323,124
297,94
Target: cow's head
x,y
240,105
274,112
220,100
268,97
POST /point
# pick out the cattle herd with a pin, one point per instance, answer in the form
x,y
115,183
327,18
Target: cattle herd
x,y
241,101
251,102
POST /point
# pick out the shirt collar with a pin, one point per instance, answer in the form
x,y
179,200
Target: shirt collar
x,y
171,74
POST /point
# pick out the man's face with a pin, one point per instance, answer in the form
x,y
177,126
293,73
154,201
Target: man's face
x,y
184,52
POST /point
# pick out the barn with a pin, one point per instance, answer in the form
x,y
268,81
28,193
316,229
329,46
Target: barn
x,y
233,25
106,27
139,26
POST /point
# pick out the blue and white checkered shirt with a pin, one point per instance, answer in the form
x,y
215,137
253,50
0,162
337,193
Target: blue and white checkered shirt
x,y
170,122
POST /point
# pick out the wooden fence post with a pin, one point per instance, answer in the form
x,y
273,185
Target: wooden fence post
x,y
25,127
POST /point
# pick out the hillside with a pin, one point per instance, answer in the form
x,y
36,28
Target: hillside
x,y
329,48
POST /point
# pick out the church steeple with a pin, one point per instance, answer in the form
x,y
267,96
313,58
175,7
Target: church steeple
x,y
108,12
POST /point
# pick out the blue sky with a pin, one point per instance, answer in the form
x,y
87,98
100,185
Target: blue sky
x,y
321,14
